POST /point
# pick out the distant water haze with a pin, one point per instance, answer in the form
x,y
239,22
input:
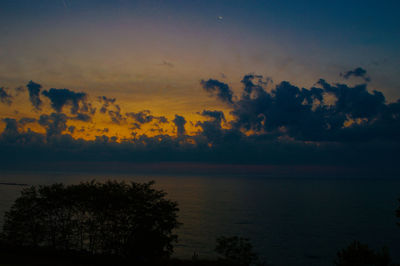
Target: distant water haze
x,y
290,221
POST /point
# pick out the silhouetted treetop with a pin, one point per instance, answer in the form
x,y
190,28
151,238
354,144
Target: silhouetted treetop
x,y
127,219
236,251
358,254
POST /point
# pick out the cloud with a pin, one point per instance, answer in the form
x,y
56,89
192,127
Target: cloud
x,y
107,102
357,72
141,117
112,109
5,97
305,115
211,129
34,94
217,115
280,123
355,101
116,115
82,117
145,116
62,97
11,126
54,123
162,119
180,122
14,141
220,89
71,129
26,120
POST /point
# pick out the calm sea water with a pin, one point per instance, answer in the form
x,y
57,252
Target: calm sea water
x,y
290,221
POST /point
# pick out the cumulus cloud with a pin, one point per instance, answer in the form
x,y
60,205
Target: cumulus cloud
x,y
13,140
107,102
34,94
272,124
145,116
141,117
54,123
220,89
217,115
71,129
27,120
116,116
82,117
211,129
357,72
62,97
5,97
304,114
180,122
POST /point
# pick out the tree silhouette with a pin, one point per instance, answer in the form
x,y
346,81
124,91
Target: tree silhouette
x,y
357,254
131,220
236,251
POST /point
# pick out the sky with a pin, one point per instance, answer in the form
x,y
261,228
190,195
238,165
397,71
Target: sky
x,y
237,82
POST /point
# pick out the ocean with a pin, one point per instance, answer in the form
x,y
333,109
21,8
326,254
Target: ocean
x,y
290,221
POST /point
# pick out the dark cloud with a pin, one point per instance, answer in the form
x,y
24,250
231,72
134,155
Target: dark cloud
x,y
306,115
87,108
82,117
222,90
116,115
355,101
34,94
62,97
107,102
54,123
13,140
112,109
135,126
334,124
357,72
180,122
162,119
141,117
27,120
211,130
5,97
71,129
217,115
11,126
145,116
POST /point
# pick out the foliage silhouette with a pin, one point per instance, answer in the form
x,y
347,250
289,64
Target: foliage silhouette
x,y
358,254
117,218
236,251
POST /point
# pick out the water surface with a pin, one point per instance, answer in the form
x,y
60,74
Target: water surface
x,y
290,221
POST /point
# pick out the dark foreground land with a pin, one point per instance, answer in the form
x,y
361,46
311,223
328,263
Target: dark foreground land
x,y
35,256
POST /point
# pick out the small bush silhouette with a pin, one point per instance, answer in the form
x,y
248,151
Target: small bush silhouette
x,y
130,220
357,254
236,251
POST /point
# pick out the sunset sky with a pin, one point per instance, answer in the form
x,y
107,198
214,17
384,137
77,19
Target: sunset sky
x,y
267,82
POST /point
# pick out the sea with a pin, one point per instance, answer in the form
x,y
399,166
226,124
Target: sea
x,y
289,220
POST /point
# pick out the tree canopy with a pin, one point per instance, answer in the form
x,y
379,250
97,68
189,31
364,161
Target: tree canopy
x,y
358,254
236,251
119,218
